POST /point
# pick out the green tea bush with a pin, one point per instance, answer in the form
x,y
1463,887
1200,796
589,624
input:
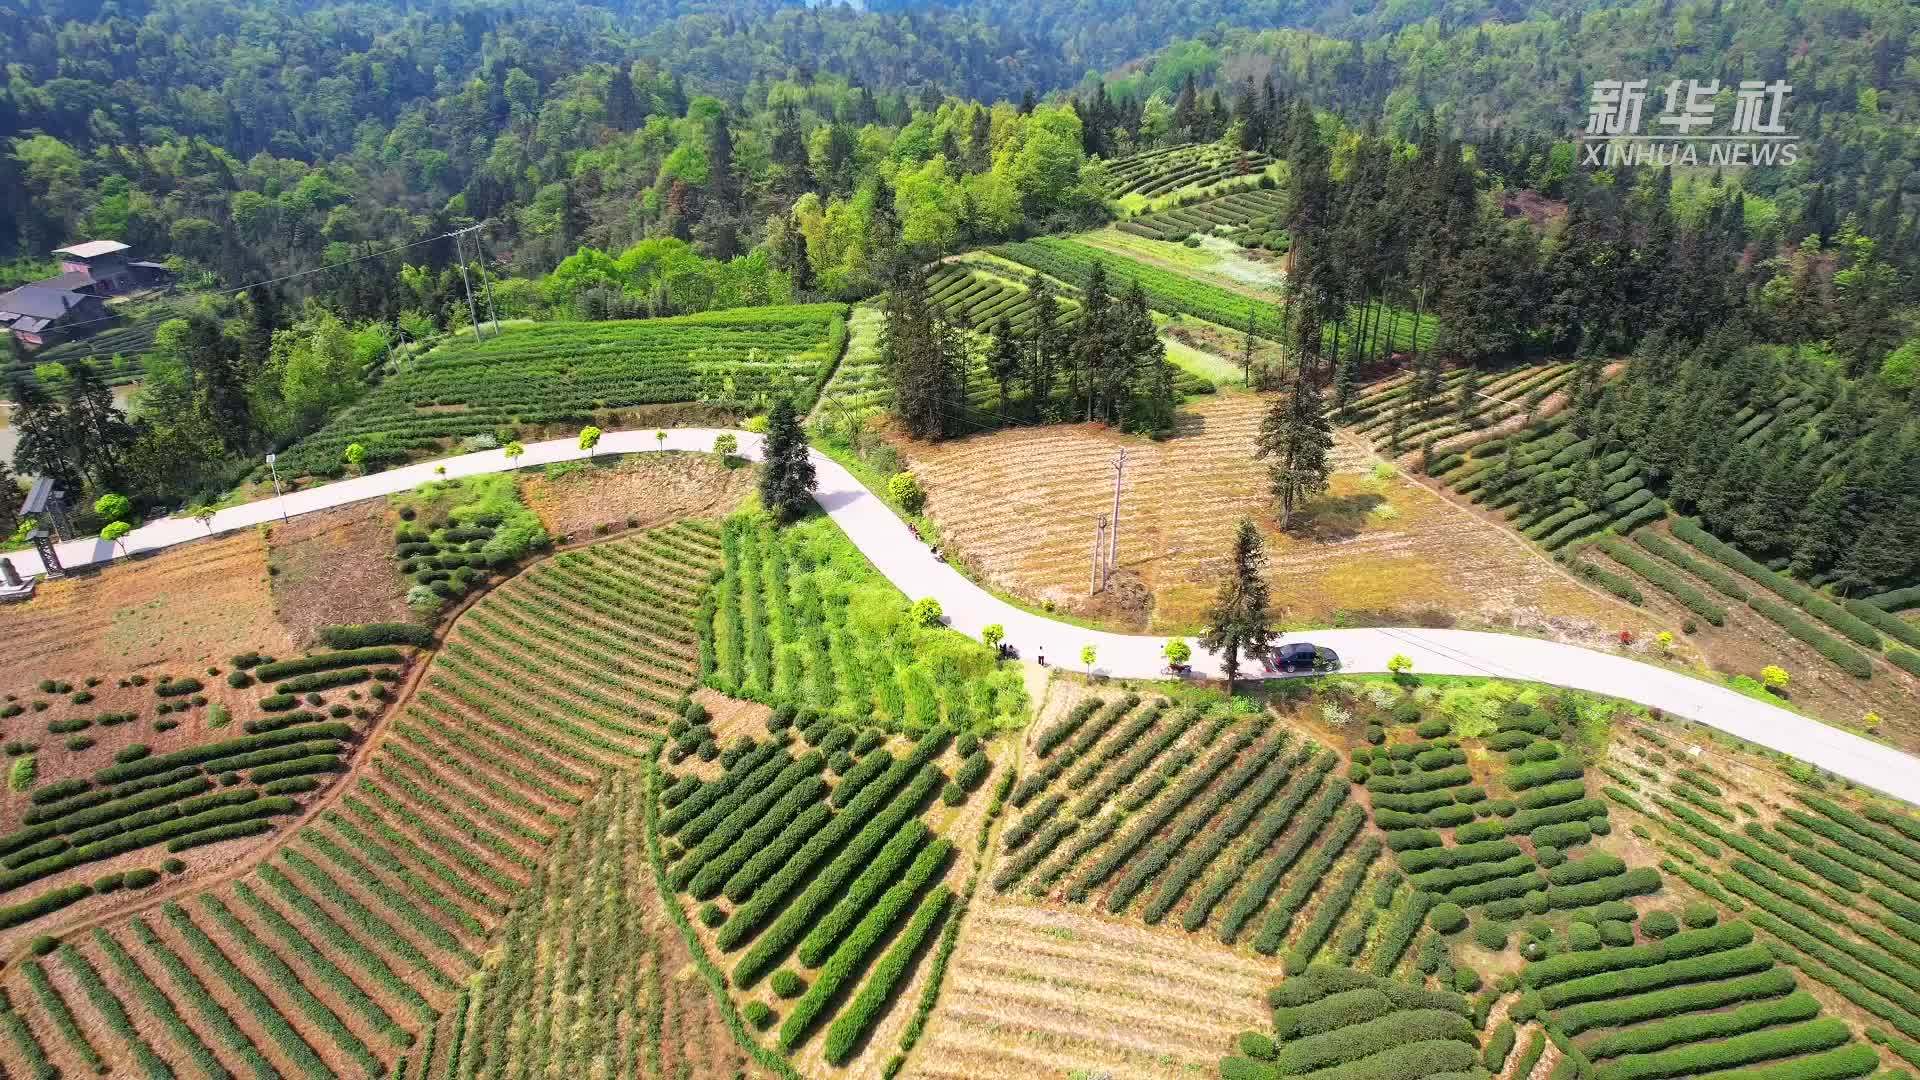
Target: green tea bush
x,y
364,635
1447,918
323,680
1659,1005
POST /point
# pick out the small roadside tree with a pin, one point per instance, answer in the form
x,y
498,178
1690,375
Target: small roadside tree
x,y
204,515
513,450
993,634
1087,657
1238,623
356,454
927,611
726,446
1400,664
589,438
1178,652
115,534
660,437
786,485
904,489
1773,677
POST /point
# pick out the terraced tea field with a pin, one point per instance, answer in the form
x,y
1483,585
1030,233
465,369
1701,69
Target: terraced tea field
x,y
1598,510
1229,215
349,949
858,387
561,376
1828,883
1152,174
800,618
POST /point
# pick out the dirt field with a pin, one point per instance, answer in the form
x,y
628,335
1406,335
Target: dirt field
x,y
645,489
1017,509
181,609
336,566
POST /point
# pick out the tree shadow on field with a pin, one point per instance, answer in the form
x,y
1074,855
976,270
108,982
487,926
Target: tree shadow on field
x,y
1334,517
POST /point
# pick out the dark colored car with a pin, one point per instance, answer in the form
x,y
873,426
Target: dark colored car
x,y
1305,656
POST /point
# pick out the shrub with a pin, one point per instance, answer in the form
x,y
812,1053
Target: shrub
x,y
787,984
1447,918
1660,924
363,635
278,702
239,680
868,1005
323,680
758,1014
329,661
140,878
178,687
1491,935
1256,1045
1699,915
46,903
1670,582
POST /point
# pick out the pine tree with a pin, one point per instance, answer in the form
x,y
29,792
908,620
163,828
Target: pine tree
x,y
1003,357
723,188
786,479
1345,385
922,357
1466,397
1246,346
1239,624
789,150
1043,346
623,105
45,437
1296,439
1092,344
101,435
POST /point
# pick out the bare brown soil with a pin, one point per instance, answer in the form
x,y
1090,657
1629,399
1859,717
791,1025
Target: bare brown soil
x,y
336,566
183,608
644,489
1016,509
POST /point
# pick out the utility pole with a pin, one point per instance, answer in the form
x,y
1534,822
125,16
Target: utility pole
x,y
1113,537
1099,579
472,309
486,278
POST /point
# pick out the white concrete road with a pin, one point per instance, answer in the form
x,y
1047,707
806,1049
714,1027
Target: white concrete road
x,y
908,563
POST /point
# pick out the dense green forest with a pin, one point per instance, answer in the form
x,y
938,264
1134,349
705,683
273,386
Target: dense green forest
x,y
628,161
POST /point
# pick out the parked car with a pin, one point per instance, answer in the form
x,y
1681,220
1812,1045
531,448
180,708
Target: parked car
x,y
1305,656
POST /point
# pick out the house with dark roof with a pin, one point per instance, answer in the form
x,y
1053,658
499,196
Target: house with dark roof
x,y
72,303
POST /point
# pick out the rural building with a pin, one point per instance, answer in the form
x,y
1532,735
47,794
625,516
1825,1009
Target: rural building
x,y
71,303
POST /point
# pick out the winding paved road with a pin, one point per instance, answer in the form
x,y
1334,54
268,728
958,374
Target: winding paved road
x,y
886,540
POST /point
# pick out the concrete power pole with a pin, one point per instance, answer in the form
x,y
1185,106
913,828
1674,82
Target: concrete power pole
x,y
473,309
486,278
1113,537
1099,577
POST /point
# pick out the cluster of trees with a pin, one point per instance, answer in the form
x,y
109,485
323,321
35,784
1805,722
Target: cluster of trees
x,y
1106,362
1830,493
218,393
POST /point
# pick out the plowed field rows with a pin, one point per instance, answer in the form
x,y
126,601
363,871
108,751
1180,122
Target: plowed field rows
x,y
1018,508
